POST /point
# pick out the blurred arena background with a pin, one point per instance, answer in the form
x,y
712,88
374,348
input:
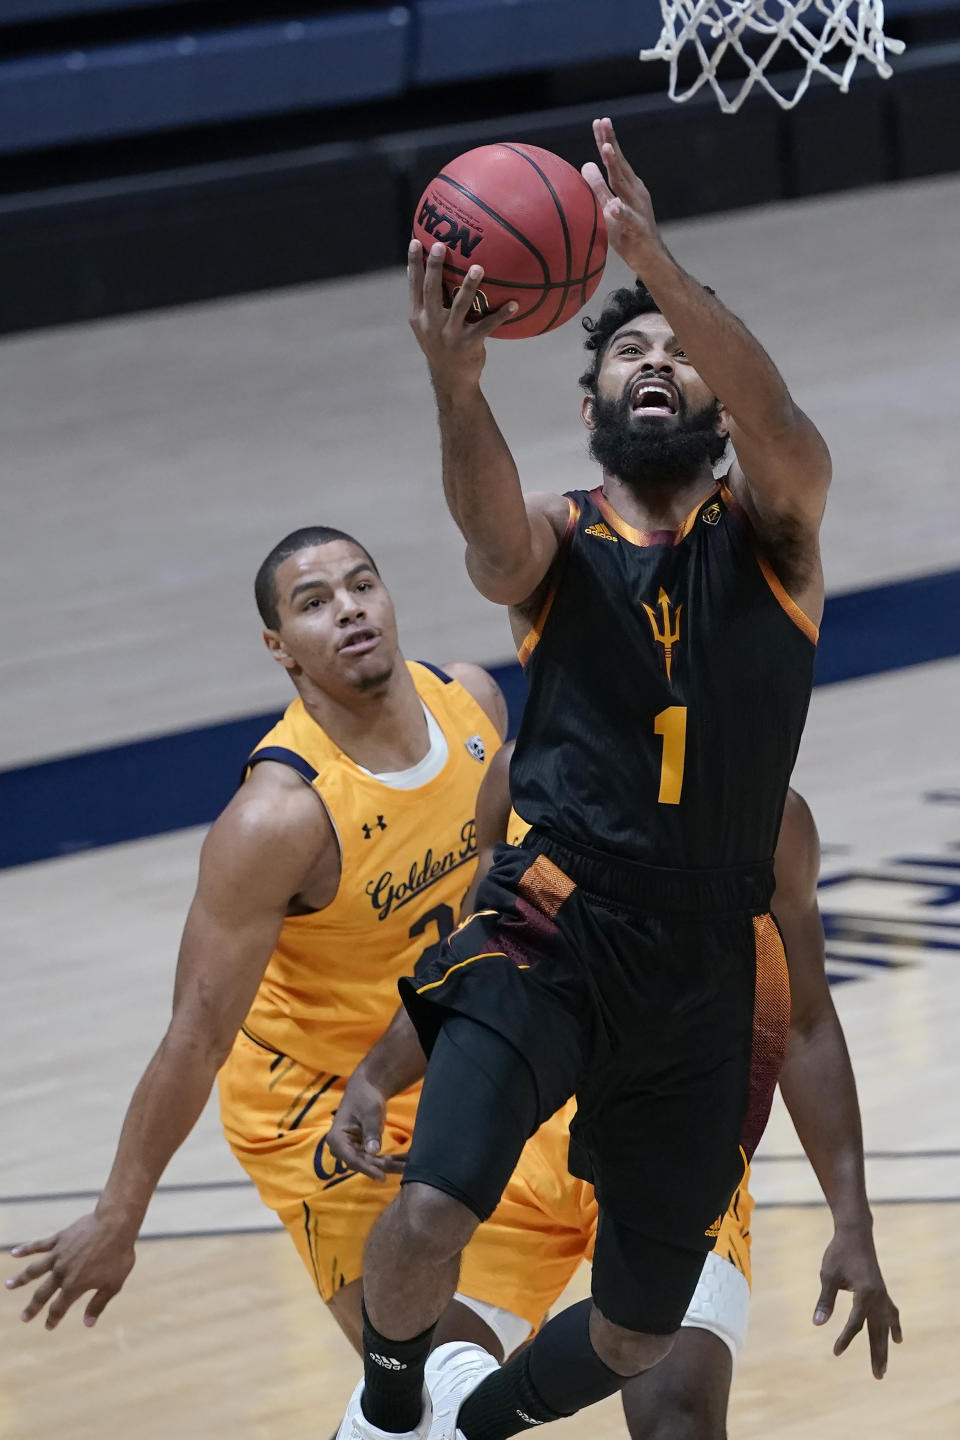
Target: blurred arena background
x,y
203,215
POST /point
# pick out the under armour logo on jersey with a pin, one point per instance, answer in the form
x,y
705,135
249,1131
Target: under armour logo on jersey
x,y
668,634
387,1361
477,748
602,532
378,824
712,514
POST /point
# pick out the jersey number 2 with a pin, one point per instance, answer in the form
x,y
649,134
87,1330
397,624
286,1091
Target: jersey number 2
x,y
671,724
441,916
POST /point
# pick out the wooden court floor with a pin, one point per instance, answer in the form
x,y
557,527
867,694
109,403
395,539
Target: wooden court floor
x,y
222,1338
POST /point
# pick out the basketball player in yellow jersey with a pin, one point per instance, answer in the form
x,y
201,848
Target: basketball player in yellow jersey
x,y
341,861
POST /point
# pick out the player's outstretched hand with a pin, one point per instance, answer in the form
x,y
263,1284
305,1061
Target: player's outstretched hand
x,y
92,1254
624,199
453,343
850,1263
357,1131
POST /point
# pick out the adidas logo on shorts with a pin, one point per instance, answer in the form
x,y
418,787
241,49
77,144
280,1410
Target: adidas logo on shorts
x,y
387,1361
528,1419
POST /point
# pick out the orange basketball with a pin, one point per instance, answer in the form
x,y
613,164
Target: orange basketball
x,y
533,223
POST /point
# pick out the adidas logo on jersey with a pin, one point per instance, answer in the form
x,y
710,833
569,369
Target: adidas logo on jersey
x,y
714,1230
602,532
528,1419
387,1361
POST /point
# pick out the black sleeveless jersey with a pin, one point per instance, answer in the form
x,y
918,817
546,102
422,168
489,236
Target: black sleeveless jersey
x,y
669,677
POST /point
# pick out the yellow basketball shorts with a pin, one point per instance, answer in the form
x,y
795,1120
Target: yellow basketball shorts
x,y
277,1115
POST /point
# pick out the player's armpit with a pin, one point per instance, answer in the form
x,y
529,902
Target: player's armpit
x,y
513,575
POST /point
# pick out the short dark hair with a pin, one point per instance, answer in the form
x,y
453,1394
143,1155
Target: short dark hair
x,y
265,585
620,306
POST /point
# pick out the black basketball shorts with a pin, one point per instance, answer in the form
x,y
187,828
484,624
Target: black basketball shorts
x,y
660,999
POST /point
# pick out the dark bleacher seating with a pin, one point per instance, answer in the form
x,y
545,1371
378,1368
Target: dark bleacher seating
x,y
159,151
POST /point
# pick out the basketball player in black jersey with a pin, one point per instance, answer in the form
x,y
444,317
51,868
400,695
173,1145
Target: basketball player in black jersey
x,y
625,953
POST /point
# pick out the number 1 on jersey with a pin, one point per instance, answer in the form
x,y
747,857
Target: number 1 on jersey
x,y
672,725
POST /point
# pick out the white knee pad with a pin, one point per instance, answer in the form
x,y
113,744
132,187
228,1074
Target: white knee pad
x,y
511,1330
720,1304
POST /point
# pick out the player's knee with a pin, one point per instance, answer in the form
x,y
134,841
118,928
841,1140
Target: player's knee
x,y
432,1223
627,1352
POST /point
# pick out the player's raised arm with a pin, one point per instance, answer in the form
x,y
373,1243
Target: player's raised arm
x,y
819,1090
783,465
511,540
254,860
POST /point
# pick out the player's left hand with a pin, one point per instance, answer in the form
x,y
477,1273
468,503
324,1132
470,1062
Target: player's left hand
x,y
356,1136
850,1263
624,199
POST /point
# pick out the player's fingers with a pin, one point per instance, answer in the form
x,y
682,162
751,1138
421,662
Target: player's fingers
x,y
878,1334
33,1271
593,175
853,1327
373,1166
372,1141
828,1297
61,1304
97,1306
465,295
40,1297
34,1247
485,327
415,276
433,279
619,159
896,1331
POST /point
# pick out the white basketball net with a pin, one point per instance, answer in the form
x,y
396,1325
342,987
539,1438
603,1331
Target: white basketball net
x,y
812,28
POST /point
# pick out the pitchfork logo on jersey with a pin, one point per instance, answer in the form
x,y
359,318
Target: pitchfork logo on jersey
x,y
666,627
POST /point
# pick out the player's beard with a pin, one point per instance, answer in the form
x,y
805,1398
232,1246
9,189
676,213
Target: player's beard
x,y
648,454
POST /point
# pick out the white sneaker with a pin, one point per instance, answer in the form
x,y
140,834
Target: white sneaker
x,y
453,1372
356,1426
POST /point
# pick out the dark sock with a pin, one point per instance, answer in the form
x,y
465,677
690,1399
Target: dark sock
x,y
558,1374
393,1378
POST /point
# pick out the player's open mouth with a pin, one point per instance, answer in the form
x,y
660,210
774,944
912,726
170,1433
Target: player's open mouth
x,y
359,642
654,397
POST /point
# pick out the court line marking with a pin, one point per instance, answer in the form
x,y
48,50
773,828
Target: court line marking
x,y
277,1229
204,1186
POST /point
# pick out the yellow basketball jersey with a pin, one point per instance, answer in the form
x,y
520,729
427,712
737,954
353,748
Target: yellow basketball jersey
x,y
407,858
516,828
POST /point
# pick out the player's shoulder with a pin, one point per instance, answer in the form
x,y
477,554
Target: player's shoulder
x,y
480,684
553,507
274,805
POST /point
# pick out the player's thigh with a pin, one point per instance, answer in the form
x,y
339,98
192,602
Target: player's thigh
x,y
642,1283
478,1107
277,1122
524,1256
685,1396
